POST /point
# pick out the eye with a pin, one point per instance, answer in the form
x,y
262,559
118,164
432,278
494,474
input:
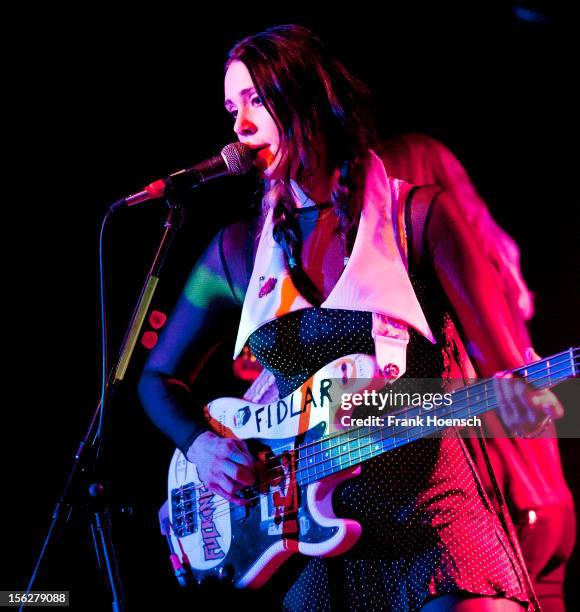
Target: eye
x,y
233,113
256,101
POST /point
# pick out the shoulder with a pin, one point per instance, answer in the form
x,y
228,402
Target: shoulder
x,y
237,244
240,235
239,241
416,203
449,237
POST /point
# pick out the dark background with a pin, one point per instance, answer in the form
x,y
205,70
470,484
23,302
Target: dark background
x,y
107,103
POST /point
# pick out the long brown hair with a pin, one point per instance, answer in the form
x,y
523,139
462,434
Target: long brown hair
x,y
311,97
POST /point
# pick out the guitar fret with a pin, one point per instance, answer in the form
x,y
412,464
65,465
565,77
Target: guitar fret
x,y
355,446
327,453
486,398
321,456
317,466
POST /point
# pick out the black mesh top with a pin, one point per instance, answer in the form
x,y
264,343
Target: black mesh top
x,y
295,346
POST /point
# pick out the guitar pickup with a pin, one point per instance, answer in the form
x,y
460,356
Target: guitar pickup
x,y
239,513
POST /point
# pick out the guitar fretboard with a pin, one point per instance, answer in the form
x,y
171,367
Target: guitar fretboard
x,y
348,449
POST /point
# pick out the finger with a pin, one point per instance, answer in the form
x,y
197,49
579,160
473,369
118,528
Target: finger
x,y
516,408
546,402
536,411
505,385
226,488
507,409
503,374
531,355
527,408
534,433
239,453
240,475
556,411
235,490
552,410
556,407
230,497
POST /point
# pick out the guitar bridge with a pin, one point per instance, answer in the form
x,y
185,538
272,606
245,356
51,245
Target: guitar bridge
x,y
184,510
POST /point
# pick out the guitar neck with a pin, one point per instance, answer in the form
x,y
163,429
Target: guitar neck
x,y
348,449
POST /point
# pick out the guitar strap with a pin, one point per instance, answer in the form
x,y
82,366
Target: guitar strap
x,y
418,208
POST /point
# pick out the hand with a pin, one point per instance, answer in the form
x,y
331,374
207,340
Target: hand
x,y
224,465
523,410
163,515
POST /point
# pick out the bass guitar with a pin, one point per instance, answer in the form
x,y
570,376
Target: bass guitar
x,y
307,450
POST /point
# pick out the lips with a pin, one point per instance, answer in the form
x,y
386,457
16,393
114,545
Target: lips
x,y
263,157
257,148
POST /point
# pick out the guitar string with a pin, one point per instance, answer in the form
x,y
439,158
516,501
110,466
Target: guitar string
x,y
375,432
557,361
379,430
461,403
467,402
467,391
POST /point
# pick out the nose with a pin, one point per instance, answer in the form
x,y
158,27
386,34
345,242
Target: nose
x,y
243,125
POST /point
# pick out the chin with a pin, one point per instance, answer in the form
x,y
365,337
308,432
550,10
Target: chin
x,y
267,164
268,173
272,172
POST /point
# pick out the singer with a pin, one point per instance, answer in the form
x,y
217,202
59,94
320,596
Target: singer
x,y
344,258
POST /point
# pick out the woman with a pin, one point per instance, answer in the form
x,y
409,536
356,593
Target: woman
x,y
322,274
422,160
529,472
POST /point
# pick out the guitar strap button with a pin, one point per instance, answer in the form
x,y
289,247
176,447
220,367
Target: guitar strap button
x,y
391,371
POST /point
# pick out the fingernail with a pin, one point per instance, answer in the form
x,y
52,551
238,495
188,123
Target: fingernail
x,y
555,411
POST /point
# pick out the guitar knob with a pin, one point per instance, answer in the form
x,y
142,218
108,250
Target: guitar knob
x,y
182,578
202,579
226,573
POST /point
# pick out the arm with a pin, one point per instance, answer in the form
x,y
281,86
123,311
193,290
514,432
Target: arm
x,y
208,306
472,287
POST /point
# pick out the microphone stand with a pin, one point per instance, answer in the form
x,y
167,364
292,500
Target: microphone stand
x,y
85,459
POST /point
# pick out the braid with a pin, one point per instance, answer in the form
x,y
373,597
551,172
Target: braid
x,y
324,115
286,232
347,199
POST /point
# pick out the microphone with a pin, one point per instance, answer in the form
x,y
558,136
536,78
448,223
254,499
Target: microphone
x,y
235,158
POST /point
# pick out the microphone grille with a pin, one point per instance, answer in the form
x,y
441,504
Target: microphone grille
x,y
238,157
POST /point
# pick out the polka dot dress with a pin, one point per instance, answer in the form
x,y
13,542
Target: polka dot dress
x,y
428,528
300,343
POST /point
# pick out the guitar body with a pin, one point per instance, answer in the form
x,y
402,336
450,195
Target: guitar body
x,y
305,455
247,544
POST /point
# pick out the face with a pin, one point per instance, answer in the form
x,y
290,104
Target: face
x,y
253,124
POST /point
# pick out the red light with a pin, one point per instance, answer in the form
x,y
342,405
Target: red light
x,y
157,319
149,339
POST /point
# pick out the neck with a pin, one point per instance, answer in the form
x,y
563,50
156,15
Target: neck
x,y
315,191
344,449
